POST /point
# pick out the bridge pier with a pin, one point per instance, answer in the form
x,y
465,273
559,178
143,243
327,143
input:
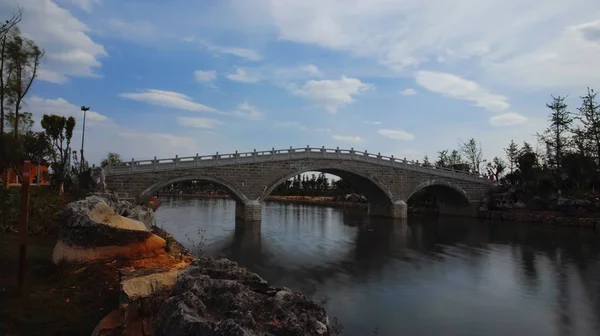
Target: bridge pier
x,y
248,211
398,209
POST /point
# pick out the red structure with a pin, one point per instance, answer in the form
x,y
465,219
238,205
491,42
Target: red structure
x,y
42,170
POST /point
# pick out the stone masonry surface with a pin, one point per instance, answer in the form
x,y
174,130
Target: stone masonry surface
x,y
253,181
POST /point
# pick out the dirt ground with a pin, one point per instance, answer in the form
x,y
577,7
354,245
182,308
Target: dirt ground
x,y
56,300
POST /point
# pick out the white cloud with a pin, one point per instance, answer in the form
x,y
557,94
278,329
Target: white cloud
x,y
312,70
205,76
456,87
245,53
568,61
169,99
402,34
248,111
203,123
348,139
241,75
507,119
372,122
86,5
39,106
134,30
70,52
331,94
408,92
396,134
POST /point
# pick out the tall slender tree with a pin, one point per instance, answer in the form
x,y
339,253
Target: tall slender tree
x,y
589,115
512,155
22,61
474,154
555,137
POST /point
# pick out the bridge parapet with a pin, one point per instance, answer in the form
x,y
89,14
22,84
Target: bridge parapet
x,y
200,161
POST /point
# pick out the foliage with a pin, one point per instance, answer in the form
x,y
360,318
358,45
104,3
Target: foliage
x,y
21,59
473,153
111,159
44,209
59,130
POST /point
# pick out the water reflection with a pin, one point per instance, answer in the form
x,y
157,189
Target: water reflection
x,y
424,276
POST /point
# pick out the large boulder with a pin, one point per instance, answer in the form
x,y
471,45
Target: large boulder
x,y
216,297
101,226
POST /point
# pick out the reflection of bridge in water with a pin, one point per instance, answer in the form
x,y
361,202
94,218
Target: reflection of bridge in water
x,y
392,245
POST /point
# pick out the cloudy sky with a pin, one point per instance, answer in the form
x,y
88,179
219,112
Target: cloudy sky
x,y
401,77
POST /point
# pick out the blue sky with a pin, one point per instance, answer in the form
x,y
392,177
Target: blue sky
x,y
401,77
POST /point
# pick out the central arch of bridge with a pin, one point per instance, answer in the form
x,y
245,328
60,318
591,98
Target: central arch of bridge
x,y
380,199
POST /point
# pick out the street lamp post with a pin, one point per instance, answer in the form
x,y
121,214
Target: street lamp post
x,y
84,109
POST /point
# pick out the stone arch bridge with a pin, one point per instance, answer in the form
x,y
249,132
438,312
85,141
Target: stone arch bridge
x,y
387,182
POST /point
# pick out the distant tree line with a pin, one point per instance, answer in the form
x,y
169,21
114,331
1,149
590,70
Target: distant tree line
x,y
566,160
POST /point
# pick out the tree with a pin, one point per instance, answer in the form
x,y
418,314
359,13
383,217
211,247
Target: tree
x,y
474,154
555,136
112,159
496,167
442,161
36,146
25,123
589,115
10,23
512,154
60,132
426,162
454,158
22,59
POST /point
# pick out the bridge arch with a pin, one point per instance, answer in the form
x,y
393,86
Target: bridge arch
x,y
455,189
238,195
373,189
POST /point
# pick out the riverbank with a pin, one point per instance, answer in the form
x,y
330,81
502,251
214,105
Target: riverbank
x,y
124,294
590,221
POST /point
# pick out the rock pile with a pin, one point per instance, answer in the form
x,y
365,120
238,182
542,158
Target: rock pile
x,y
217,297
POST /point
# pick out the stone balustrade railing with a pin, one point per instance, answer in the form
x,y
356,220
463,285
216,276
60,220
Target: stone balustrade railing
x,y
176,163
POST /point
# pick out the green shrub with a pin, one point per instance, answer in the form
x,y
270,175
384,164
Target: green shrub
x,y
44,209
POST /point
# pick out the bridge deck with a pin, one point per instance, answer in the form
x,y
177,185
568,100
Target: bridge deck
x,y
198,161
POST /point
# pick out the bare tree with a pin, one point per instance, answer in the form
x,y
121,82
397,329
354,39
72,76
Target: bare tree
x,y
10,23
474,154
512,154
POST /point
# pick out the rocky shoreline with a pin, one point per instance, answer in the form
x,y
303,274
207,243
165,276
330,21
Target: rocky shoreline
x,y
164,290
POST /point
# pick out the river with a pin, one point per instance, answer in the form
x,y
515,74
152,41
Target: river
x,y
423,276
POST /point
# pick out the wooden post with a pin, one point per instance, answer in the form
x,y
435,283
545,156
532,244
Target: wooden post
x,y
23,221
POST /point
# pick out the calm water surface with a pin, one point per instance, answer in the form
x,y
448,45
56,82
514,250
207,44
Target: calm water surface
x,y
424,276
